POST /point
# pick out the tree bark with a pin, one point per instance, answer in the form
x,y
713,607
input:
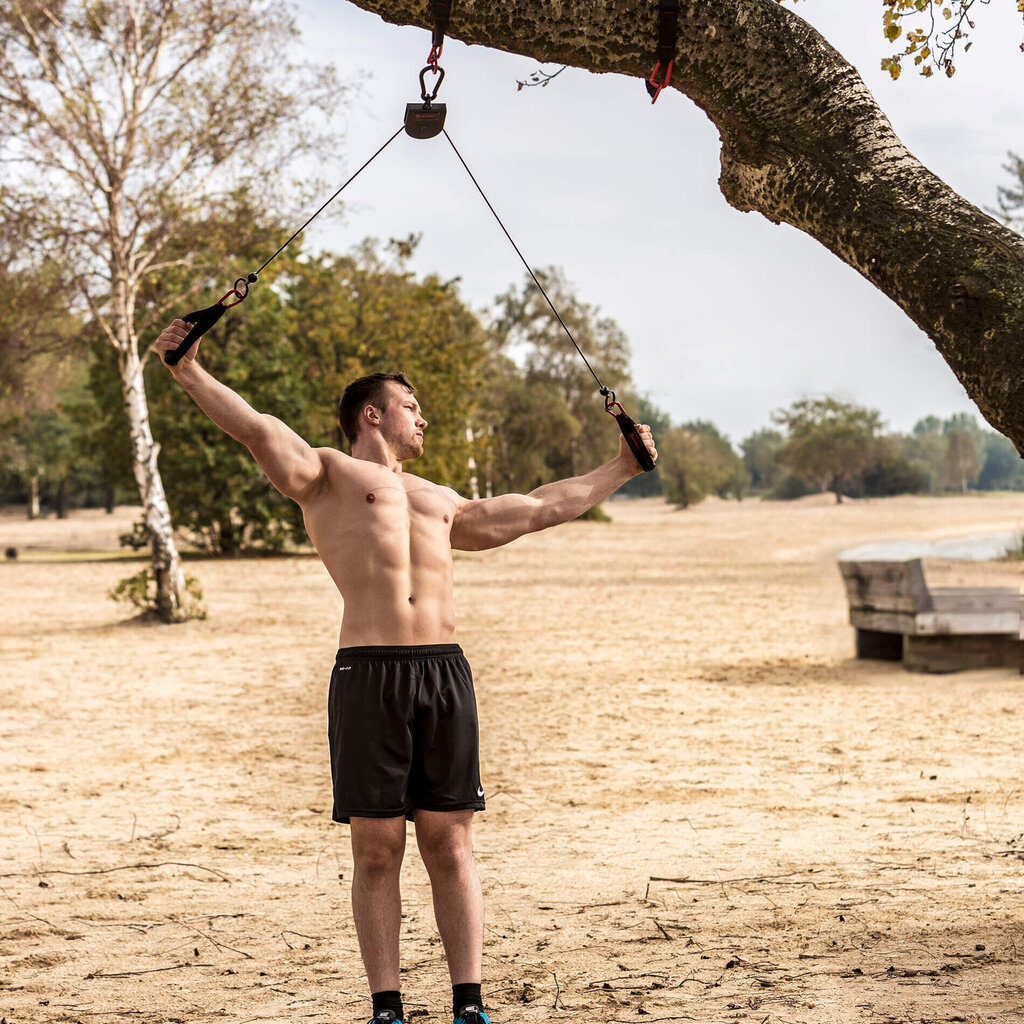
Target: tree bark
x,y
170,582
803,142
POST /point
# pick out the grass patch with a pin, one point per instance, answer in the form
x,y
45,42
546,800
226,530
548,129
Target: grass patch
x,y
1015,552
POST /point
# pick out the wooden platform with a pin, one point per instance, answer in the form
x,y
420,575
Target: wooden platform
x,y
897,617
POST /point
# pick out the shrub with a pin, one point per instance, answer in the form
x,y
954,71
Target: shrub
x,y
140,590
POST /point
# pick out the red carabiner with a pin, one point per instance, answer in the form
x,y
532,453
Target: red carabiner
x,y
230,291
434,56
656,85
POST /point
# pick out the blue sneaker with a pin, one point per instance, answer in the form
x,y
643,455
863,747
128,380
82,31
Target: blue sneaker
x,y
472,1015
385,1017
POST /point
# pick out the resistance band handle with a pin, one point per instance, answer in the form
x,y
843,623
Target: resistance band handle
x,y
636,445
201,320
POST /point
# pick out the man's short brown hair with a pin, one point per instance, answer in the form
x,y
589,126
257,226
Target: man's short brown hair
x,y
368,390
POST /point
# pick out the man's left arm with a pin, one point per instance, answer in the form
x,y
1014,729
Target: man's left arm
x,y
491,522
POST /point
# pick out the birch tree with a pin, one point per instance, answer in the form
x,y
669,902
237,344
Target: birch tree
x,y
120,118
805,143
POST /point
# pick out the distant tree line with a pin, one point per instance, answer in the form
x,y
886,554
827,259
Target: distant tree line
x,y
510,405
828,445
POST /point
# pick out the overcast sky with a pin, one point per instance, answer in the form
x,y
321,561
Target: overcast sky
x,y
729,316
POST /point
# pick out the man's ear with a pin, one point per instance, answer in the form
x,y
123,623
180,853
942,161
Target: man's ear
x,y
371,414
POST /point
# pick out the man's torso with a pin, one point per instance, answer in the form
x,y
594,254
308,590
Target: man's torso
x,y
384,538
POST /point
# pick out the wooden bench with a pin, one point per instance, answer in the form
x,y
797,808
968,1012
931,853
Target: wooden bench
x,y
897,617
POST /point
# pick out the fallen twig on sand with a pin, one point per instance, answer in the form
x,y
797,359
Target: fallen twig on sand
x,y
558,991
222,945
772,879
122,867
653,1020
152,924
151,970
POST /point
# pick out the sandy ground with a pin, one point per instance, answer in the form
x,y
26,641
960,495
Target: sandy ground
x,y
700,807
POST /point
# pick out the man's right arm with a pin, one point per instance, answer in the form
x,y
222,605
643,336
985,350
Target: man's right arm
x,y
290,464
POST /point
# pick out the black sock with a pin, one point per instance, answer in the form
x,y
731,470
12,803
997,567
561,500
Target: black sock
x,y
391,1000
463,996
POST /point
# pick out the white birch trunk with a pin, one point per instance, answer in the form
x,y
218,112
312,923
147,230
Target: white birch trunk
x,y
474,484
170,581
33,496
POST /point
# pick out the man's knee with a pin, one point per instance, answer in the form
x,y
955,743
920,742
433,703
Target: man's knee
x,y
444,846
378,845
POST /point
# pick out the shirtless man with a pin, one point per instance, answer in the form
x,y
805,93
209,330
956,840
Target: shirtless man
x,y
402,714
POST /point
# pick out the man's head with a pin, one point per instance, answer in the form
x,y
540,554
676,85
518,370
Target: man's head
x,y
384,402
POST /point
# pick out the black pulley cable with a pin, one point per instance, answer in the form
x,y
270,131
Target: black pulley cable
x,y
203,319
626,425
422,121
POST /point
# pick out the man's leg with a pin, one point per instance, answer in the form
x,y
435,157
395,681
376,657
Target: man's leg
x,y
378,845
446,845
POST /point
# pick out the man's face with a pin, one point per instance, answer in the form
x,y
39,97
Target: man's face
x,y
401,422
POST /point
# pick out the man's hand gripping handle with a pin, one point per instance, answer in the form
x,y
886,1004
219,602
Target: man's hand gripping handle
x,y
203,319
630,432
636,445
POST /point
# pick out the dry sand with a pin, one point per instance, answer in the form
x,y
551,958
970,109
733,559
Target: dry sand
x,y
700,807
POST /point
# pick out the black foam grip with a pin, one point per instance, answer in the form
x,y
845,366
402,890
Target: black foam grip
x,y
201,320
636,446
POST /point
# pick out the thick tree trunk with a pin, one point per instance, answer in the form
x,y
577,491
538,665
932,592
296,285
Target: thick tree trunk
x,y
62,499
170,581
803,142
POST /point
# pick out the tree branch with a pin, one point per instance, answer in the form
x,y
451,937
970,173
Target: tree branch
x,y
803,142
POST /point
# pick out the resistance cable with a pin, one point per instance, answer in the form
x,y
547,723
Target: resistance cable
x,y
423,120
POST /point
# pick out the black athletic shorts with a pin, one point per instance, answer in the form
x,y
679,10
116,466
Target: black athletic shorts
x,y
403,730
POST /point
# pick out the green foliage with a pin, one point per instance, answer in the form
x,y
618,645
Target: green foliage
x,y
696,460
290,350
541,418
1015,553
829,442
955,452
760,456
789,488
891,472
32,344
141,591
42,446
932,31
643,410
525,425
1003,468
365,312
217,493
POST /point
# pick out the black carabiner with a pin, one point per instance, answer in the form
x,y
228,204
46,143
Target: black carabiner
x,y
437,85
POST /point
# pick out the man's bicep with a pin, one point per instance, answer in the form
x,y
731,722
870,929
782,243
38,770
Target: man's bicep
x,y
289,462
490,522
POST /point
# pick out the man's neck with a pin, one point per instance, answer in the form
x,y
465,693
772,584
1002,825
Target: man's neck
x,y
373,450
